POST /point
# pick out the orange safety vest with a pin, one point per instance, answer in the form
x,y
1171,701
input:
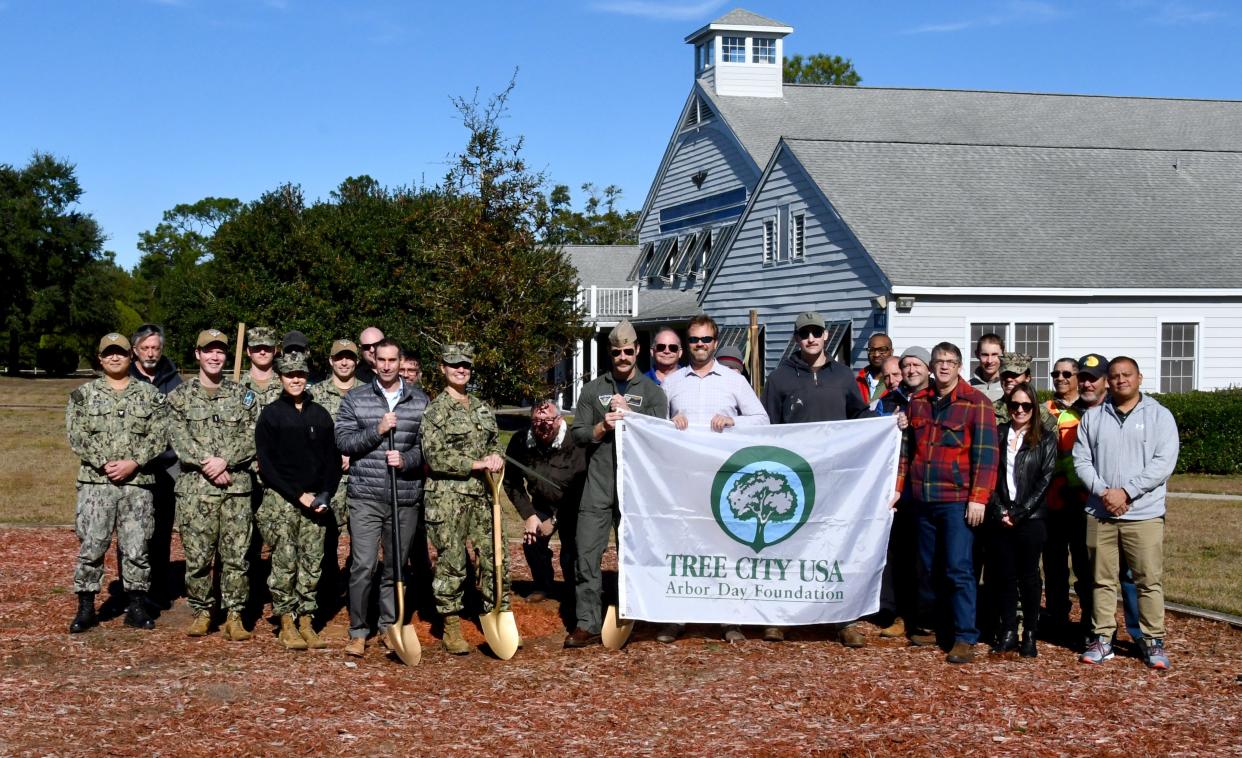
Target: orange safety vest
x,y
1065,486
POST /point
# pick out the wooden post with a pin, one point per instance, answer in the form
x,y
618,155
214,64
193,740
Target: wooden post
x,y
756,376
237,352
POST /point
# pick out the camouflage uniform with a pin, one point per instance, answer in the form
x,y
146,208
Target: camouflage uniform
x,y
458,503
327,394
212,519
105,425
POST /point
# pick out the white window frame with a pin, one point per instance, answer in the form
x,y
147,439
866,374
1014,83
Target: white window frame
x,y
771,238
725,47
1011,327
755,47
797,234
1197,365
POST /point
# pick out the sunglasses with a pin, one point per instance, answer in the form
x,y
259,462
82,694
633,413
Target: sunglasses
x,y
697,340
662,348
1062,374
619,351
879,350
810,331
369,345
1024,407
460,364
1085,377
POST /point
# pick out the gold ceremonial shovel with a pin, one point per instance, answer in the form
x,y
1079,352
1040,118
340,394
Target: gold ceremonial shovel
x,y
616,630
401,636
499,627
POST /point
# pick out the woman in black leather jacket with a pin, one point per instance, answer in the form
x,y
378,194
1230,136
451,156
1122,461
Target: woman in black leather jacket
x,y
1016,516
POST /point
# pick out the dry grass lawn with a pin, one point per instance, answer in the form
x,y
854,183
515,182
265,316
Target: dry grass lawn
x,y
1203,553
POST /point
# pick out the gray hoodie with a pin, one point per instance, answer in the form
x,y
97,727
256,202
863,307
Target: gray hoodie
x,y
1138,456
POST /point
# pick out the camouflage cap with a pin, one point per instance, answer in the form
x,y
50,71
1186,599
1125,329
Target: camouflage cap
x,y
261,336
623,334
112,339
810,318
291,363
211,337
1015,363
1093,364
453,353
343,346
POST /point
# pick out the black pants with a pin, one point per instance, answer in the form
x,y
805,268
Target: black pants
x,y
1013,571
539,553
898,585
1067,533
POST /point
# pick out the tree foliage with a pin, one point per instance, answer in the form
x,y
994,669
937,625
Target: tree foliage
x,y
820,69
598,223
53,268
764,497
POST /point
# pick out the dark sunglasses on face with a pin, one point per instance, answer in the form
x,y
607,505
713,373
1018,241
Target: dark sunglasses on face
x,y
1024,407
619,351
1062,374
810,331
697,340
1085,377
369,345
662,348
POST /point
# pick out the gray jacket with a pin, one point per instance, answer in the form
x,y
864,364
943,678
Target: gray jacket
x,y
357,437
1138,456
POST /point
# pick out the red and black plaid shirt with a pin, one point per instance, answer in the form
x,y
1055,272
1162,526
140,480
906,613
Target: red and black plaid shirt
x,y
951,453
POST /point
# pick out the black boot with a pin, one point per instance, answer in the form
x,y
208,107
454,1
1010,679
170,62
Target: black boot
x,y
1028,644
86,613
1006,641
136,614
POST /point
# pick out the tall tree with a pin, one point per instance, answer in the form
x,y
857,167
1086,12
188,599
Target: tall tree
x,y
591,225
46,245
820,69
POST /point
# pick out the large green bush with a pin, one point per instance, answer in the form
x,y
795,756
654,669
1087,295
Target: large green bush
x,y
1210,424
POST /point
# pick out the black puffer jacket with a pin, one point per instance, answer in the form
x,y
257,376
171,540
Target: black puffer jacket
x,y
1033,468
358,437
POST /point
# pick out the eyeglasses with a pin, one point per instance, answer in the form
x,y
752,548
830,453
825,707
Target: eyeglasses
x,y
697,340
879,349
1024,407
369,345
810,331
1062,374
619,351
662,348
945,361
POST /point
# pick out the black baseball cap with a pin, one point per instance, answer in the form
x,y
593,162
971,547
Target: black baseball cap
x,y
1093,364
294,339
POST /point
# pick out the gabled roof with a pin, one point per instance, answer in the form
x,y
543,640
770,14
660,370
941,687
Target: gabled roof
x,y
960,117
741,20
602,265
1020,216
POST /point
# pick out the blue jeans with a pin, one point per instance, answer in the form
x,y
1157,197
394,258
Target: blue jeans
x,y
946,560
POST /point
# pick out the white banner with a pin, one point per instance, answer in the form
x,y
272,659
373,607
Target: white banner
x,y
767,525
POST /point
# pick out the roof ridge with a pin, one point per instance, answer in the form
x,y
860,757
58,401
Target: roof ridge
x,y
1014,92
1009,145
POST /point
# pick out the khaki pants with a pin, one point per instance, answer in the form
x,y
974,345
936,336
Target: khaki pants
x,y
1142,543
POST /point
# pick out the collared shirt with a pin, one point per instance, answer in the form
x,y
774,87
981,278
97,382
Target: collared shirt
x,y
720,392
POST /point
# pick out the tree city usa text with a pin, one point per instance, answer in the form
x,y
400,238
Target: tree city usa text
x,y
770,569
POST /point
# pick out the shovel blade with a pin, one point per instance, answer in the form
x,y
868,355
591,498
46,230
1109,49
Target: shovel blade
x,y
500,630
616,630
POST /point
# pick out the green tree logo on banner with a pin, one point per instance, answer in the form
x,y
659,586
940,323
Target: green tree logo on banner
x,y
762,495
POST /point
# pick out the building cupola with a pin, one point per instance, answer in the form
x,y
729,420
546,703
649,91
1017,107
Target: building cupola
x,y
740,54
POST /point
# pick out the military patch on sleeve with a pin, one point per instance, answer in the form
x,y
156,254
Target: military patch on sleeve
x,y
77,396
248,399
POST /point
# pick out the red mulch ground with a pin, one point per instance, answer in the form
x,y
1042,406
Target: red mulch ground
x,y
119,691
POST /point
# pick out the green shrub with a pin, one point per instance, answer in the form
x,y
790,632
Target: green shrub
x,y
1210,425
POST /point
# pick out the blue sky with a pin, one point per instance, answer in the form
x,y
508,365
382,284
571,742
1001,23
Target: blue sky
x,y
160,102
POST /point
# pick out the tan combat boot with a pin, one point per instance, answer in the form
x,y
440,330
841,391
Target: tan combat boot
x,y
200,625
289,636
234,629
307,631
452,640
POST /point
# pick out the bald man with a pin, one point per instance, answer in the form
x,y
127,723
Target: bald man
x,y
366,345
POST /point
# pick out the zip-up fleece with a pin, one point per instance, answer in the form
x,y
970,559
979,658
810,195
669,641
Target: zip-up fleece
x,y
1138,455
797,393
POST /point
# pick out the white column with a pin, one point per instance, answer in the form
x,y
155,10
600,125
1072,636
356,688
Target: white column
x,y
594,303
577,377
594,354
634,302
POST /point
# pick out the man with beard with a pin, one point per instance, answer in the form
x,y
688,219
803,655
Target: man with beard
x,y
810,386
150,365
604,401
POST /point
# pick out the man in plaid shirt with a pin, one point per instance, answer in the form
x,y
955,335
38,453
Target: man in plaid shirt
x,y
949,464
